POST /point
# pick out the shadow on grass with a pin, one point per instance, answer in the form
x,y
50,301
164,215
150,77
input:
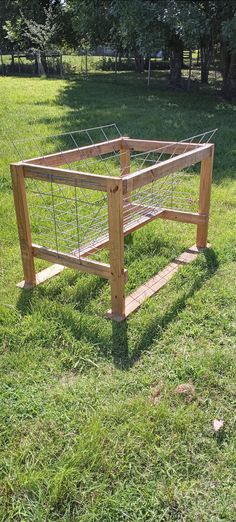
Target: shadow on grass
x,y
24,302
155,113
120,352
113,339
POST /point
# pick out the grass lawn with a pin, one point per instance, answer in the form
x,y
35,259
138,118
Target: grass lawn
x,y
92,429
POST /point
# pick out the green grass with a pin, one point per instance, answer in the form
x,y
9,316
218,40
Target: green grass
x,y
82,438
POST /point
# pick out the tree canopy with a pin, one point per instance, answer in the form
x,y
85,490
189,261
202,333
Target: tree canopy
x,y
133,27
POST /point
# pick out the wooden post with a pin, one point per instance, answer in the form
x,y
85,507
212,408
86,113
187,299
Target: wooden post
x,y
125,169
116,248
204,198
124,160
22,218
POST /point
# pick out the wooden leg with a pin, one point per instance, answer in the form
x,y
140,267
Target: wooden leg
x,y
125,170
22,218
204,200
116,247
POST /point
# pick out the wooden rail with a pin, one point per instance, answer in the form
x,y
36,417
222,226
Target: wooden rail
x,y
66,177
77,154
167,147
145,176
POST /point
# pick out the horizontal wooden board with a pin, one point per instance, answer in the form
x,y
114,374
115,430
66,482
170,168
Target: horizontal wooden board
x,y
72,261
77,154
167,147
43,275
182,216
160,170
67,177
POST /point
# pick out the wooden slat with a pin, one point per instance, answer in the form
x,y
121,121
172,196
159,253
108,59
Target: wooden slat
x,y
168,147
151,287
22,218
44,275
67,177
149,213
182,216
160,170
71,261
80,153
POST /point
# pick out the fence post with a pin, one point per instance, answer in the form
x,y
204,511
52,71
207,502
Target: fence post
x,y
116,248
204,198
22,218
149,72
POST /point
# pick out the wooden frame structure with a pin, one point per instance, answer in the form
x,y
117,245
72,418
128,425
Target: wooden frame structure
x,y
117,188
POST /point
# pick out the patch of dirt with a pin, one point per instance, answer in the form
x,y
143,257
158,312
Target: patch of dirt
x,y
187,390
156,393
68,379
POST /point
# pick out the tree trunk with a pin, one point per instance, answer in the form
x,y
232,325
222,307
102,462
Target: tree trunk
x,y
176,60
41,70
12,63
206,54
139,62
44,64
229,73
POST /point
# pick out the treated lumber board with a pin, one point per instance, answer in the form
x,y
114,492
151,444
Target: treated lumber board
x,y
184,217
168,147
71,261
77,154
23,224
44,275
151,287
160,170
168,213
204,198
116,247
67,177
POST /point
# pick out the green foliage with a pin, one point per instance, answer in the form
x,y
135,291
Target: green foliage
x,y
229,32
15,33
41,36
26,24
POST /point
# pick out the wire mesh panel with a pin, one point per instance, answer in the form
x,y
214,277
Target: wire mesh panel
x,y
66,218
69,219
40,146
178,190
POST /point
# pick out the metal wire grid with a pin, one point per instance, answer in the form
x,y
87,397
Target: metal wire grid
x,y
176,191
67,219
70,219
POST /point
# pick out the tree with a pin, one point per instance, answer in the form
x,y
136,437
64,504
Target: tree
x,y
136,28
228,50
15,17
